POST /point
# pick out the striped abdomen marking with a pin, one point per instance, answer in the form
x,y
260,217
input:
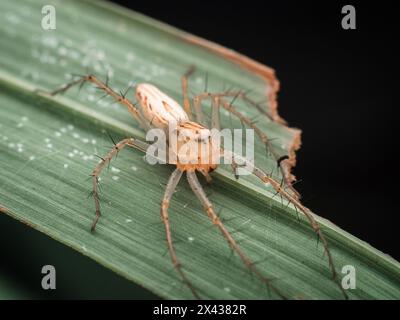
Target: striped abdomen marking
x,y
158,108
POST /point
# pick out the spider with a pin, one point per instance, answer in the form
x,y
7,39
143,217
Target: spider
x,y
160,111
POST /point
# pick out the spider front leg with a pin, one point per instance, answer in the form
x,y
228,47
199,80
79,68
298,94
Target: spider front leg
x,y
96,172
243,95
218,100
108,91
185,82
131,142
198,99
201,195
283,165
215,116
169,191
197,102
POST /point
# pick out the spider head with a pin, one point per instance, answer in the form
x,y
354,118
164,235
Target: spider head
x,y
194,147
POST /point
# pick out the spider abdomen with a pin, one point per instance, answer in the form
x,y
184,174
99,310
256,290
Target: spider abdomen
x,y
158,108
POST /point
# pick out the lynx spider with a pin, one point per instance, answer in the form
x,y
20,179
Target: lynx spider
x,y
157,110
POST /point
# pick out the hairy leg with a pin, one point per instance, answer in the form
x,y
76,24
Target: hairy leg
x,y
228,93
199,192
119,97
215,116
197,101
282,165
185,84
169,191
96,172
298,205
218,100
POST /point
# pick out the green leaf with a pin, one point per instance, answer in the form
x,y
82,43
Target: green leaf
x,y
47,146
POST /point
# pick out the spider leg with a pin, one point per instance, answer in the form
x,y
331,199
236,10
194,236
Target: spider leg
x,y
218,101
199,192
243,95
235,95
138,144
234,166
279,188
197,100
108,91
185,83
215,124
96,172
227,93
169,191
283,165
215,116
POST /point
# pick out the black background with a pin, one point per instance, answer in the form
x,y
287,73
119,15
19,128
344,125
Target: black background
x,y
338,86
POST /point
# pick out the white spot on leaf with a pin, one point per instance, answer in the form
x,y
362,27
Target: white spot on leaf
x,y
116,170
